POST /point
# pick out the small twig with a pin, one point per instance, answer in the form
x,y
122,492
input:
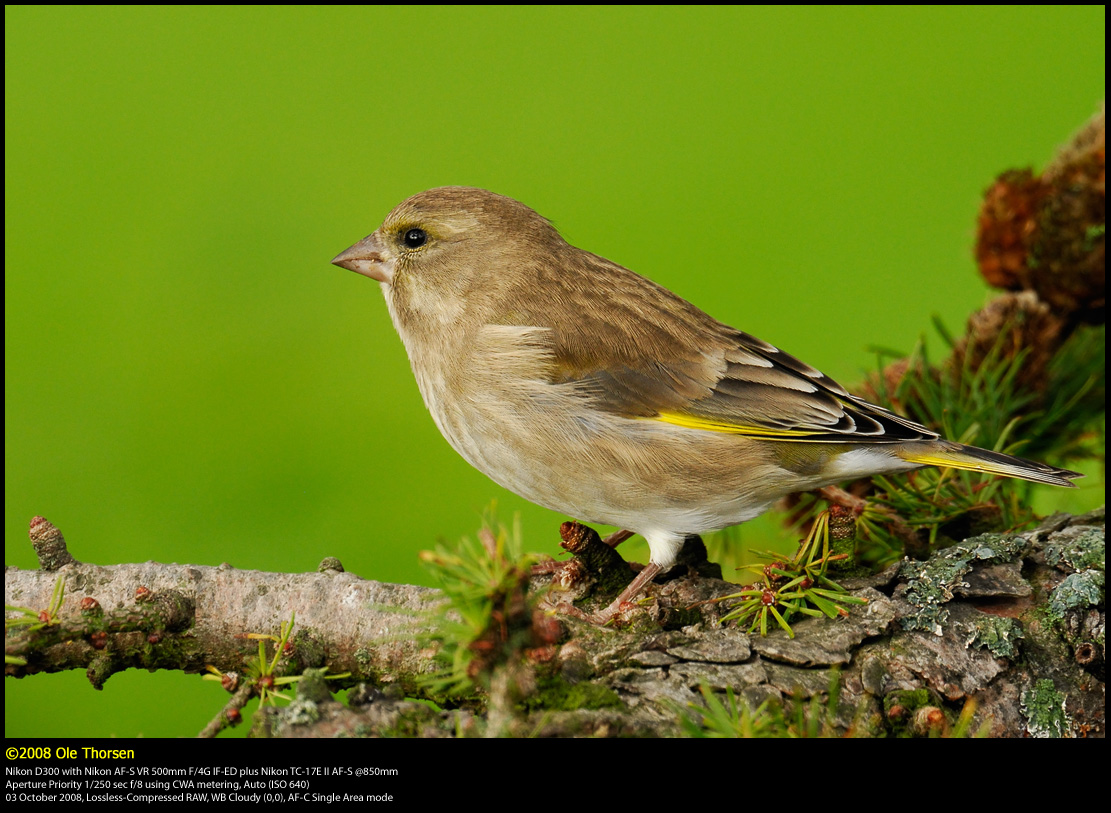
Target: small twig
x,y
838,496
49,544
601,561
230,715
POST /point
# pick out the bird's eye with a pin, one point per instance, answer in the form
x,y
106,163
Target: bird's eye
x,y
415,238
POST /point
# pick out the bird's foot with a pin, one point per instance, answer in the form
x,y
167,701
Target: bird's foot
x,y
600,618
620,605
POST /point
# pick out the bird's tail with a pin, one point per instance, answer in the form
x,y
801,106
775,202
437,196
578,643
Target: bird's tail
x,y
971,458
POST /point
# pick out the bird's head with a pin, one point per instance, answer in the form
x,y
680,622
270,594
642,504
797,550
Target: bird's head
x,y
452,238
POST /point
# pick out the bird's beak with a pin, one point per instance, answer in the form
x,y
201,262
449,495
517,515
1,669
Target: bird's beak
x,y
369,258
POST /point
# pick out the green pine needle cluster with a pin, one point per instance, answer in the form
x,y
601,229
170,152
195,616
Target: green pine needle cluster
x,y
792,586
486,617
985,402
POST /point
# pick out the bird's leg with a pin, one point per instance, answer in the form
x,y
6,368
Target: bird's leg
x,y
617,537
603,562
636,586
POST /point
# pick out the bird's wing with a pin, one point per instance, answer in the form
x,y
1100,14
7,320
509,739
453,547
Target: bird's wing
x,y
644,352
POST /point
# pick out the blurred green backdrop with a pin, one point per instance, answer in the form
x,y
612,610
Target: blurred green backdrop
x,y
189,380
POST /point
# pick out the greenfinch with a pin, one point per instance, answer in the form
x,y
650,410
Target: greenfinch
x,y
590,390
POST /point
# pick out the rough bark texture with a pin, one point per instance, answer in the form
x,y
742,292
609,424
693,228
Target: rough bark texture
x,y
1014,622
186,617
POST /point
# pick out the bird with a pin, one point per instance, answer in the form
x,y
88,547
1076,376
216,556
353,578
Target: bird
x,y
588,389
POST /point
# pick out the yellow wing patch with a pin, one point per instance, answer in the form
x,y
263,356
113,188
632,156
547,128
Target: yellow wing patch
x,y
965,462
695,422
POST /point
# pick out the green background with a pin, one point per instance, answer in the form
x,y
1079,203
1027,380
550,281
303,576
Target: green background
x,y
189,380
